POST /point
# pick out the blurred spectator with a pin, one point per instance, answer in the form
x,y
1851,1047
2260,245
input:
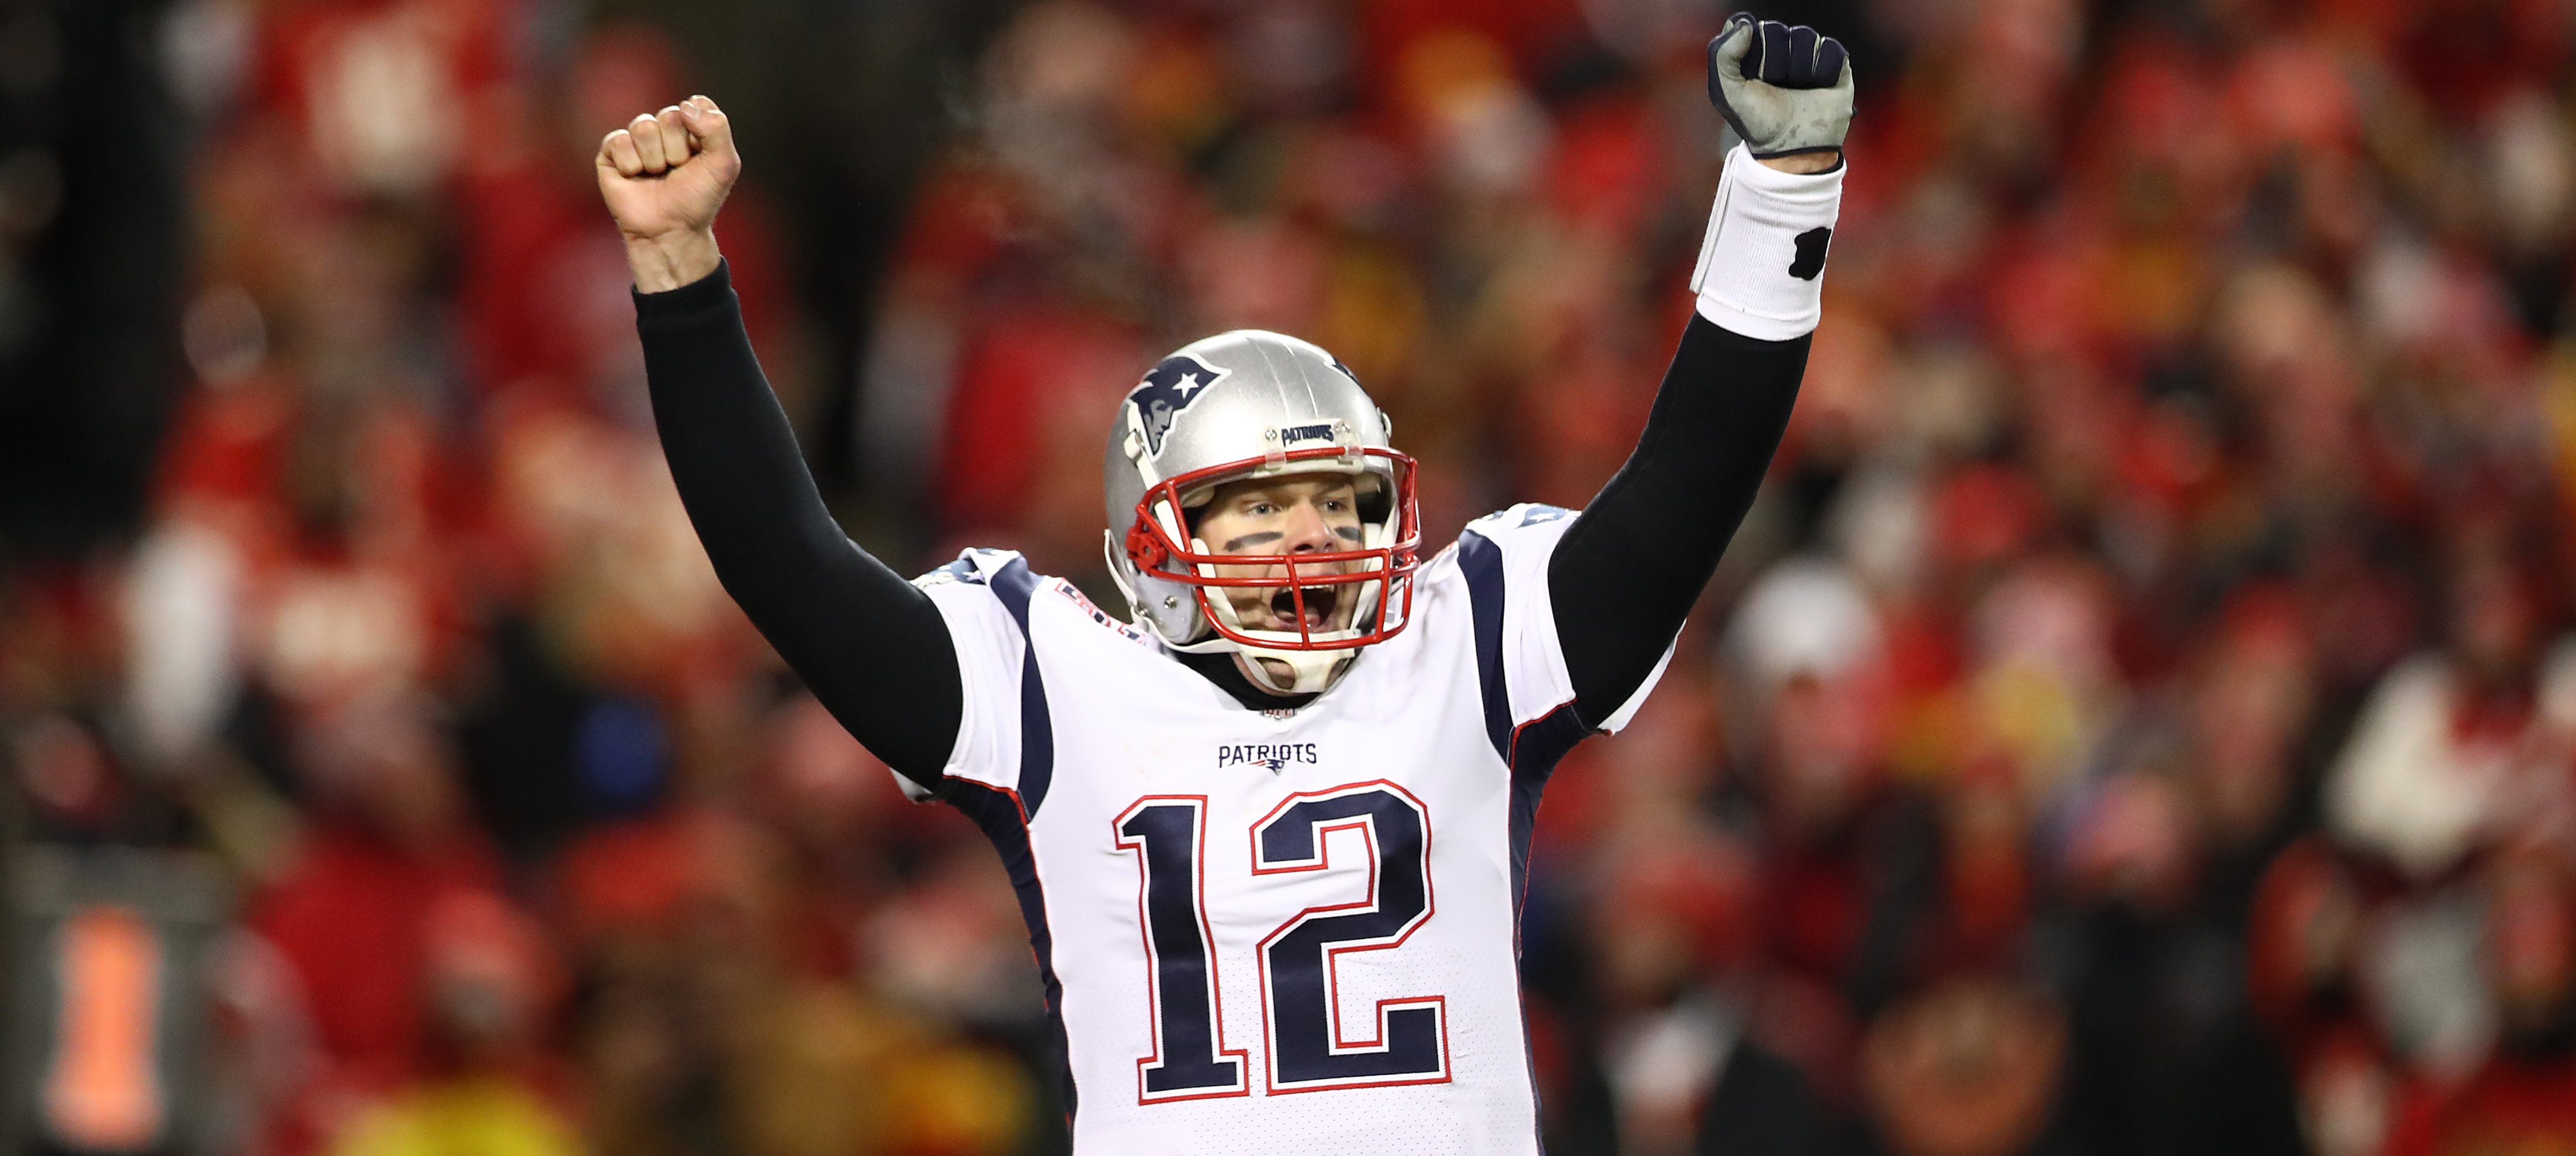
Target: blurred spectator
x,y
353,911
489,986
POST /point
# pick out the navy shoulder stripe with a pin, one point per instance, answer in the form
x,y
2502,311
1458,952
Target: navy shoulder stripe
x,y
1481,561
1531,750
1015,585
1004,817
999,816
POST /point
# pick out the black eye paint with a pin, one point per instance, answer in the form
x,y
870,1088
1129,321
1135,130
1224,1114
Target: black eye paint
x,y
1348,533
1236,545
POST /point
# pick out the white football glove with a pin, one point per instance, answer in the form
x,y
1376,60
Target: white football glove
x,y
1784,89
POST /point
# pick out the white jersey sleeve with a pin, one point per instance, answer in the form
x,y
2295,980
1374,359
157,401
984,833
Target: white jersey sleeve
x,y
1520,657
984,598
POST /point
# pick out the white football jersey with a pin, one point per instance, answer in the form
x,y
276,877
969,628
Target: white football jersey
x,y
1275,931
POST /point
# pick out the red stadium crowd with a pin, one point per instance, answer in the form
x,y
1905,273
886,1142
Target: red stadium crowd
x,y
2140,717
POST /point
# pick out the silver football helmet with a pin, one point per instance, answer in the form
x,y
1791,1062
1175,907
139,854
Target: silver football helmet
x,y
1256,404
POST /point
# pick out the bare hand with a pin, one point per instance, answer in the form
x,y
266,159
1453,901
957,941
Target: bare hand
x,y
664,176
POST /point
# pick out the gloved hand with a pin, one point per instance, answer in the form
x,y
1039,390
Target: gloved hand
x,y
1785,90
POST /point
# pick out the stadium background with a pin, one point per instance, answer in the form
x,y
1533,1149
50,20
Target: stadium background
x,y
2132,721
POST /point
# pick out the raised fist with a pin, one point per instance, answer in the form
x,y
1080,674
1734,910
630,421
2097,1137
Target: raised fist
x,y
664,176
1784,90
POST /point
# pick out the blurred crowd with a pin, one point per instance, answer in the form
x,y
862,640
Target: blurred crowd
x,y
2139,717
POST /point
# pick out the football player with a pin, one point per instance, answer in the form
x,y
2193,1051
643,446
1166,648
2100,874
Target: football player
x,y
1268,828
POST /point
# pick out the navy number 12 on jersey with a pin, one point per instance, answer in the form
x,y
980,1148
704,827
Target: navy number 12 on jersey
x,y
1299,993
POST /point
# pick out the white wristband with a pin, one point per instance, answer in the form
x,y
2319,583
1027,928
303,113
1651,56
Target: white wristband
x,y
1761,268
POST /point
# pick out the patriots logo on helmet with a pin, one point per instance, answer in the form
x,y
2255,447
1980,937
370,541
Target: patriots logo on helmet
x,y
1169,388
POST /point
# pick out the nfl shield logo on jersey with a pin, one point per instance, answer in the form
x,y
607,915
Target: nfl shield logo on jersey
x,y
1167,389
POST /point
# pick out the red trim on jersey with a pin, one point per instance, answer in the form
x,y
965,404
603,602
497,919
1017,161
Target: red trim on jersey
x,y
1016,804
1512,756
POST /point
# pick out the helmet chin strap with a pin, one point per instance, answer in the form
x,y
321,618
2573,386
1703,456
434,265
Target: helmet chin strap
x,y
1314,670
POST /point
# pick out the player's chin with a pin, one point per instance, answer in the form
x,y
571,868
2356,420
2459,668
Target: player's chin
x,y
1282,674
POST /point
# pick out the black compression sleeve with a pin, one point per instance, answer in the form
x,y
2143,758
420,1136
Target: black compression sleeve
x,y
870,645
1631,565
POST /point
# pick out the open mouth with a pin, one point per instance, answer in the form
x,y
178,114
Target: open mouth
x,y
1319,606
